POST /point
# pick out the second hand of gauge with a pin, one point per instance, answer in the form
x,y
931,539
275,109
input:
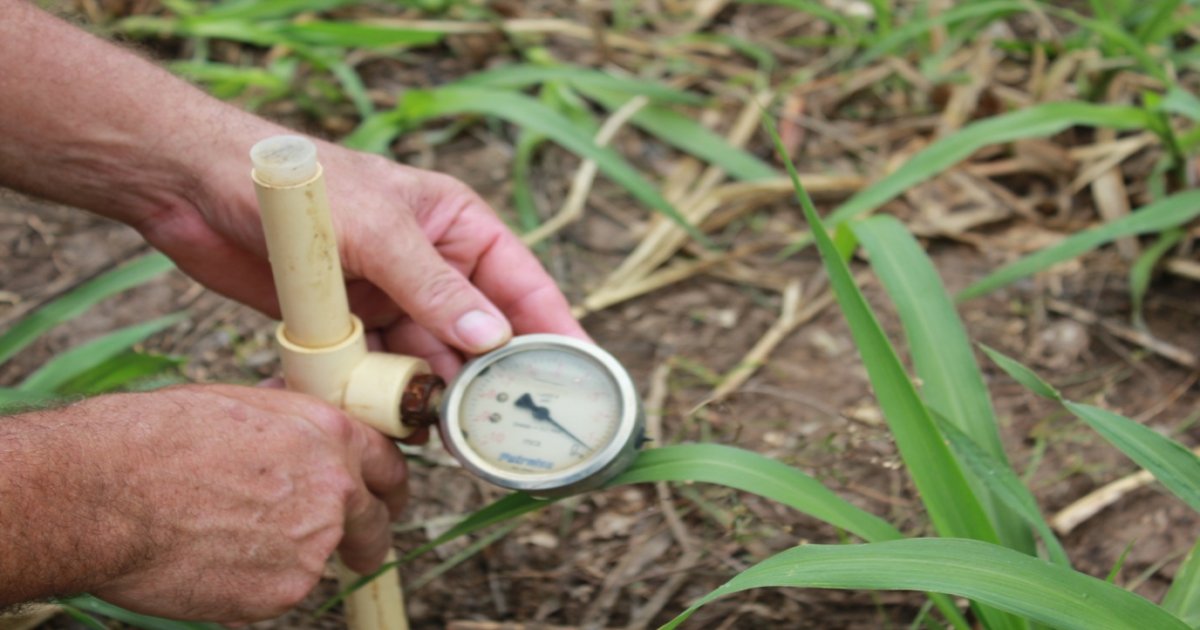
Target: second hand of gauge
x,y
541,413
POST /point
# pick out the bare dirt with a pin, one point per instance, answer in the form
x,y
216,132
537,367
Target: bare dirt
x,y
599,561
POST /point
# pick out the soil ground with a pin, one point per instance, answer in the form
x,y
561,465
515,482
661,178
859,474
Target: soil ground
x,y
599,561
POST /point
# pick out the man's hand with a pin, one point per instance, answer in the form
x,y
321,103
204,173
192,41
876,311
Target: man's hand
x,y
218,503
431,266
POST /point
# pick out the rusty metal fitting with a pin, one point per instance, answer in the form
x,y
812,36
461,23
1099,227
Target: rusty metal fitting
x,y
421,400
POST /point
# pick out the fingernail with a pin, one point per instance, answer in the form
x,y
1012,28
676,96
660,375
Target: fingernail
x,y
481,331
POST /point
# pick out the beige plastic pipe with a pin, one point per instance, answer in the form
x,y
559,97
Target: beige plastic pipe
x,y
321,344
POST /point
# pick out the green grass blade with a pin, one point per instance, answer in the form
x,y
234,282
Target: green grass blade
x,y
1161,215
1183,598
1142,268
915,29
79,300
421,105
522,192
1000,577
74,362
953,386
1031,122
690,136
1022,374
754,473
95,606
1174,466
1117,37
1004,484
13,400
124,371
521,76
257,10
354,35
952,506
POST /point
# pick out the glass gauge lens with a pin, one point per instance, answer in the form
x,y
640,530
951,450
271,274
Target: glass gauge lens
x,y
542,410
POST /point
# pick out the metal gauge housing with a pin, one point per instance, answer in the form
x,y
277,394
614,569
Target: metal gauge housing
x,y
546,414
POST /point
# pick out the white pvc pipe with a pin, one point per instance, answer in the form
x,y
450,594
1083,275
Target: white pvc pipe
x,y
284,160
301,242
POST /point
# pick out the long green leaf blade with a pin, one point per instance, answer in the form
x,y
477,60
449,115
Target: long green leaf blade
x,y
1031,122
521,76
689,136
953,386
79,300
754,473
1183,598
1161,215
1000,577
1004,484
952,506
420,105
1170,462
80,359
1174,466
137,620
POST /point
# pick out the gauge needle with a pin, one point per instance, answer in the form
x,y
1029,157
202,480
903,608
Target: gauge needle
x,y
541,413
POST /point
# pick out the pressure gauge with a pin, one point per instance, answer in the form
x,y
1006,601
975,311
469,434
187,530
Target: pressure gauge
x,y
546,414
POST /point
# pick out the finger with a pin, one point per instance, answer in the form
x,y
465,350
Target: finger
x,y
436,295
513,278
480,246
373,306
368,535
408,337
384,472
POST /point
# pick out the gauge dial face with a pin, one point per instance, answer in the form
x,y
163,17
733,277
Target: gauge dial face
x,y
541,410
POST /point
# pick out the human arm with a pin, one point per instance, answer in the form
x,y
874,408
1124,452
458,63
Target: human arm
x,y
207,502
431,267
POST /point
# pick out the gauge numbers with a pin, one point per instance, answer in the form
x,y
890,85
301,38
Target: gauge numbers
x,y
542,410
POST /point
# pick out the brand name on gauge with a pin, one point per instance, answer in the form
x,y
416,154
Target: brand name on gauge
x,y
521,460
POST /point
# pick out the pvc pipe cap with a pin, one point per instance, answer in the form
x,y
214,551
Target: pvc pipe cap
x,y
284,160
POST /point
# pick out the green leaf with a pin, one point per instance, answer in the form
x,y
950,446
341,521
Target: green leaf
x,y
1022,374
421,105
1117,37
914,29
953,386
690,136
80,359
953,507
1030,122
1142,268
1174,466
124,371
258,10
999,577
1004,484
355,35
521,76
13,400
92,605
79,300
1161,215
1183,598
754,473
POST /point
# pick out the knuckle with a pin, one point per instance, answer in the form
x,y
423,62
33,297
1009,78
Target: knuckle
x,y
440,288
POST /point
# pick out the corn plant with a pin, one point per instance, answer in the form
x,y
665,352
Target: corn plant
x,y
946,435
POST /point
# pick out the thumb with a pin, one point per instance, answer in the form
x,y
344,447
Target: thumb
x,y
433,293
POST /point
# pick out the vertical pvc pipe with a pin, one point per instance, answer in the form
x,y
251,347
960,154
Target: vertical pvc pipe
x,y
301,241
320,341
